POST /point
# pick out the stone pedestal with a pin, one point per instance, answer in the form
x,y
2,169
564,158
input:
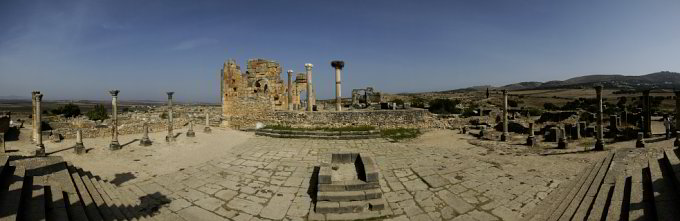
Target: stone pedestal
x,y
640,143
190,132
79,148
482,131
145,141
531,140
576,132
582,128
562,140
207,129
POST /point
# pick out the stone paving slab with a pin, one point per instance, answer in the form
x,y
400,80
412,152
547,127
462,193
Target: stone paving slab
x,y
271,179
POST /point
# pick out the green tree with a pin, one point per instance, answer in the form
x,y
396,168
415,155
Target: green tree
x,y
418,102
444,106
98,113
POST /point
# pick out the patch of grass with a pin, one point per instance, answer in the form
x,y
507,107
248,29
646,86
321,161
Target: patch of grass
x,y
347,128
398,134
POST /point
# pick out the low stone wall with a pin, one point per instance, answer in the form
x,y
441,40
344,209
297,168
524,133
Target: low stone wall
x,y
412,118
327,135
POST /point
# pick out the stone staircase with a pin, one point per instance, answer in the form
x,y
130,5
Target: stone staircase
x,y
637,184
47,188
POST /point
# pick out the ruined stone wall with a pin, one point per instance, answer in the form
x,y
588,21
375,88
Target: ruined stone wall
x,y
413,118
261,82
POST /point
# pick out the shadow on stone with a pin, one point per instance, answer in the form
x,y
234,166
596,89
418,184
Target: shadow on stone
x,y
121,178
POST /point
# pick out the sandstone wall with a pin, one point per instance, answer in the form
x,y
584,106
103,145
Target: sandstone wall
x,y
415,118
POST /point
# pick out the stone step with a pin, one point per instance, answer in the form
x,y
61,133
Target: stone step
x,y
115,198
349,195
107,208
91,209
3,163
33,198
10,197
56,207
325,207
564,204
638,208
617,207
664,190
588,198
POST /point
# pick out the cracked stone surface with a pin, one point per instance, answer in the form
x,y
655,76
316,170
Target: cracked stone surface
x,y
439,176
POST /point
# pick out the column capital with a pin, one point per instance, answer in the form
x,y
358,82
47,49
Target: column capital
x,y
290,71
114,92
598,87
170,93
338,64
38,97
309,66
35,92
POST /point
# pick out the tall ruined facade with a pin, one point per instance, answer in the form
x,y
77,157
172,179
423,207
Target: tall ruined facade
x,y
258,91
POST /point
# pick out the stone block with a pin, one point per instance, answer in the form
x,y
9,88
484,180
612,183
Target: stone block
x,y
327,207
341,196
373,194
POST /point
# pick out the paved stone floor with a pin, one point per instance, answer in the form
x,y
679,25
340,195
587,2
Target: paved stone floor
x,y
450,179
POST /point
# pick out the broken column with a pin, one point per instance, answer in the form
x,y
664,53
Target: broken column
x,y
640,140
40,151
79,148
170,137
190,132
531,140
207,129
114,121
576,132
290,94
599,144
647,108
504,135
308,68
562,140
145,141
338,65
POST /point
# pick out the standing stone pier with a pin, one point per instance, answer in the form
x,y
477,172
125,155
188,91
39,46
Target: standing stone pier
x,y
562,139
647,107
504,135
531,140
171,136
40,151
190,132
599,144
338,65
290,94
34,117
640,143
207,129
310,103
114,121
145,141
79,148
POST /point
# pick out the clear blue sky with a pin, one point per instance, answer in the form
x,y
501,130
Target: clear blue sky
x,y
81,49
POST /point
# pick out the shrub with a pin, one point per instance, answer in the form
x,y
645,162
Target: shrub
x,y
444,106
98,113
397,134
513,103
164,115
418,102
69,110
534,111
550,106
399,102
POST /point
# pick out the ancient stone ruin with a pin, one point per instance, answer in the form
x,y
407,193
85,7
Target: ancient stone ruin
x,y
363,98
348,187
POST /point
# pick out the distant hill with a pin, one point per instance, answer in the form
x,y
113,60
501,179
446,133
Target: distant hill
x,y
658,80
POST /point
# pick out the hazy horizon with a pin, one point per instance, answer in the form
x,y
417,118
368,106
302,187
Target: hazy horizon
x,y
79,50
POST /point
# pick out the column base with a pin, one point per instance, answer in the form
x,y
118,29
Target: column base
x,y
599,145
40,151
114,145
191,133
79,148
640,144
145,141
562,144
504,136
531,141
207,130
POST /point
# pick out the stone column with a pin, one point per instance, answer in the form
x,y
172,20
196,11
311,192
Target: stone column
x,y
640,140
114,121
648,114
207,129
40,151
190,132
34,117
145,141
677,110
562,140
308,68
79,148
504,135
290,93
531,140
338,65
599,144
170,137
